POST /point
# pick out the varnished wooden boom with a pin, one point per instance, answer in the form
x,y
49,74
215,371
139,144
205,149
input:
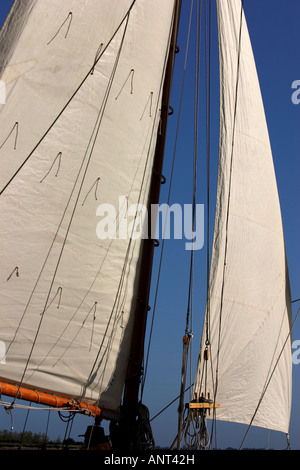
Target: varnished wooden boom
x,y
55,401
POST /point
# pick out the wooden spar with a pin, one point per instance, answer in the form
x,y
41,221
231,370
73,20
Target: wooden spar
x,y
55,401
202,406
134,371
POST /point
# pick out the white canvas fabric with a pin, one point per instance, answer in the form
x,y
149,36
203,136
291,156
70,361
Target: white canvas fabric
x,y
68,297
249,288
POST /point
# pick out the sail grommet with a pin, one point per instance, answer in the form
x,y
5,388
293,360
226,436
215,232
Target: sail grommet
x,y
156,243
163,179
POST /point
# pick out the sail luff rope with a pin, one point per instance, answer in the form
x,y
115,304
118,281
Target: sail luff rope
x,y
168,200
97,58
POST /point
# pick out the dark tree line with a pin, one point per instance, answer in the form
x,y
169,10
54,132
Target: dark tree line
x,y
26,437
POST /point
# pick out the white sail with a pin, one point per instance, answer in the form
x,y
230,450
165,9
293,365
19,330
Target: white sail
x,y
67,296
249,309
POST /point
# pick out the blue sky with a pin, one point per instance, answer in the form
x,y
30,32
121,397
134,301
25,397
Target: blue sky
x,y
274,32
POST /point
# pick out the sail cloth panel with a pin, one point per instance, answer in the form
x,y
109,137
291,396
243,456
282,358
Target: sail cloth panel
x,y
68,295
249,286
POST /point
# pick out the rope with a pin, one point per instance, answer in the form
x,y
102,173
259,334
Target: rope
x,y
24,427
70,15
144,436
200,436
208,119
16,126
188,327
131,74
58,156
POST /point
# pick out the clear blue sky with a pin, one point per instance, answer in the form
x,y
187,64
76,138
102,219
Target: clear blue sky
x,y
274,31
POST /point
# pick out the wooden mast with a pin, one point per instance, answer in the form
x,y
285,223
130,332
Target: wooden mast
x,y
134,371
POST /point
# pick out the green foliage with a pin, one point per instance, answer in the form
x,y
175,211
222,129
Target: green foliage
x,y
25,438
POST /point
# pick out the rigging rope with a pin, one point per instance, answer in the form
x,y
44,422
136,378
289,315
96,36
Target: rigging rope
x,y
189,314
208,119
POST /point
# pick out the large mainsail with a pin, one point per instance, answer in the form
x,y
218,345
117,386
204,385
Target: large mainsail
x,y
247,324
84,84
